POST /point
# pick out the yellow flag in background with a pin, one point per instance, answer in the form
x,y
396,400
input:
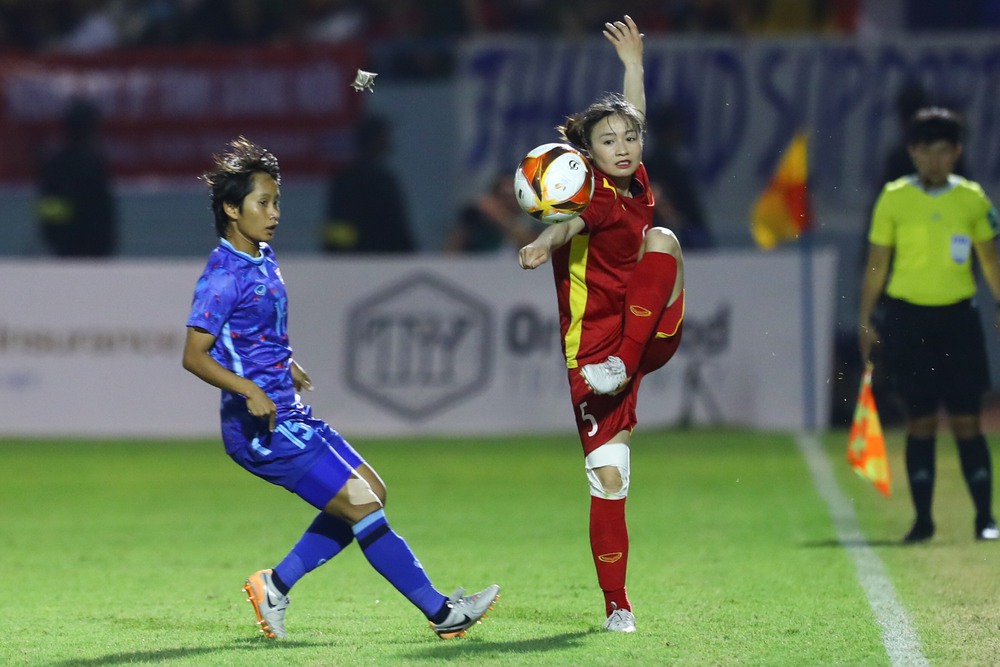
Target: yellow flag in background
x,y
782,211
866,448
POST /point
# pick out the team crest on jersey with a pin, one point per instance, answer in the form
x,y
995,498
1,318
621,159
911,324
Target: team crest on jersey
x,y
260,289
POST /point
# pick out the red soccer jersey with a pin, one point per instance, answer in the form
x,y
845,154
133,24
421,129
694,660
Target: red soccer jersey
x,y
592,270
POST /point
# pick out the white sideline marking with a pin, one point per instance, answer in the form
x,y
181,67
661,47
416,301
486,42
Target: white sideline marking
x,y
898,636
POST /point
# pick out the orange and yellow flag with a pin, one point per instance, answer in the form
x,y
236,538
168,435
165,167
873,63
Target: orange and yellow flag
x,y
866,448
782,211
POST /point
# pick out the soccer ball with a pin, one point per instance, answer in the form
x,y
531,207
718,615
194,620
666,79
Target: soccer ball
x,y
554,183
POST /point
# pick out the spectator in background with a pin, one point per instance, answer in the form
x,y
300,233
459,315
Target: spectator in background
x,y
492,221
76,209
678,205
366,209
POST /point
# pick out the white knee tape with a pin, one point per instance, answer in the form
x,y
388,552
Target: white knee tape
x,y
611,454
359,492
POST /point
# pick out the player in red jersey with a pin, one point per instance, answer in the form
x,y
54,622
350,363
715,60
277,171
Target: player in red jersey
x,y
620,288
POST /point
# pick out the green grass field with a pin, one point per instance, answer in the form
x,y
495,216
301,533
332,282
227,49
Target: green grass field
x,y
134,553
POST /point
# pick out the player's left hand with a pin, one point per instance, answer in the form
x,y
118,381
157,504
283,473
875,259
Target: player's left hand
x,y
626,38
532,256
300,379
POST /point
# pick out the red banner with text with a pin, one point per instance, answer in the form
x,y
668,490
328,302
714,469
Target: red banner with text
x,y
164,112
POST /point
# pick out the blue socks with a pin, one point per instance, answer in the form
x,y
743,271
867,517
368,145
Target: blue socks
x,y
387,552
324,539
391,557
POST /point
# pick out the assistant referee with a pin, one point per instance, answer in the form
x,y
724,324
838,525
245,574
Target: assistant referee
x,y
925,229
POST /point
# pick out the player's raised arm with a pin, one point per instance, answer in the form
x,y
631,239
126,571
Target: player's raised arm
x,y
627,41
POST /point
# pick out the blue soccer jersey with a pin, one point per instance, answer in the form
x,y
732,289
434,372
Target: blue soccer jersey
x,y
242,301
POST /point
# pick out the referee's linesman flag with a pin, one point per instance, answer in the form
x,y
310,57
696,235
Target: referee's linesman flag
x,y
866,448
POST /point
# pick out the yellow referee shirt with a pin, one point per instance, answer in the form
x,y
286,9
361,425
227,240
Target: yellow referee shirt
x,y
932,234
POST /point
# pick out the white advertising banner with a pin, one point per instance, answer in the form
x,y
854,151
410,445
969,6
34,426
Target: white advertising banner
x,y
408,346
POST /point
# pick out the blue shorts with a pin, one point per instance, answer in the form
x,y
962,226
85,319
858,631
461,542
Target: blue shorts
x,y
303,455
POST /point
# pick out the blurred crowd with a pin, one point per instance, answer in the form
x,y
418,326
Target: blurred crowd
x,y
423,31
41,26
83,26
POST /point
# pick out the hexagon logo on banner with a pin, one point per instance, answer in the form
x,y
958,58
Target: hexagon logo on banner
x,y
419,346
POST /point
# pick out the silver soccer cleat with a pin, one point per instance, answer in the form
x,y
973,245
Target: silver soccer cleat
x,y
620,620
268,604
466,611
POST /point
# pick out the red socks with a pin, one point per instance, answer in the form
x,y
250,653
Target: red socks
x,y
609,544
647,294
646,298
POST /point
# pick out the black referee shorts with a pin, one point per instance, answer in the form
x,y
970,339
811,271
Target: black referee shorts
x,y
935,355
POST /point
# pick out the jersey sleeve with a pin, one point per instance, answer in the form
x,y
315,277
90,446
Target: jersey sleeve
x,y
601,204
215,299
882,231
985,225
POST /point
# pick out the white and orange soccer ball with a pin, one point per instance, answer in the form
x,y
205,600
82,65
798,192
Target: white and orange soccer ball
x,y
554,183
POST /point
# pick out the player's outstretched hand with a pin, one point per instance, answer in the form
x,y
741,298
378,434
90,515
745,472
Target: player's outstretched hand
x,y
532,256
626,38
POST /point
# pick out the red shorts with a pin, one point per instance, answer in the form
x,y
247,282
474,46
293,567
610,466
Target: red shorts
x,y
599,418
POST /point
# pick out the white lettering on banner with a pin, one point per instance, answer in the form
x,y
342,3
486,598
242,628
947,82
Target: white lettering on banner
x,y
153,93
38,342
741,101
163,111
399,347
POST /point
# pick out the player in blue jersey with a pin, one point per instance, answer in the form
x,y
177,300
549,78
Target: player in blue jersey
x,y
237,340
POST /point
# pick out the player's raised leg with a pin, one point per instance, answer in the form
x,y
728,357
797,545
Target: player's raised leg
x,y
657,281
